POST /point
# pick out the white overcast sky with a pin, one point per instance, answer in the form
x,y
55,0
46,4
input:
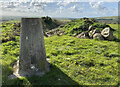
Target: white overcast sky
x,y
59,8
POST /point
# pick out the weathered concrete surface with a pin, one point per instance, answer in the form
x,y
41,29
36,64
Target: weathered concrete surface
x,y
32,60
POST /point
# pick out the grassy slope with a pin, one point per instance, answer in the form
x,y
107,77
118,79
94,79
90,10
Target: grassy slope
x,y
73,61
85,60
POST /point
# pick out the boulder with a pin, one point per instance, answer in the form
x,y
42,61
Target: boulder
x,y
90,28
92,32
83,35
98,36
107,34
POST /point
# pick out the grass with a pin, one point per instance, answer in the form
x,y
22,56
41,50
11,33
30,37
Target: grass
x,y
73,61
117,32
85,59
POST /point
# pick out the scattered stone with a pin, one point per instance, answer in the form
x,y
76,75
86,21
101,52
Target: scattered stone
x,y
83,35
90,28
98,36
67,58
92,32
80,35
55,32
75,22
107,34
59,79
74,34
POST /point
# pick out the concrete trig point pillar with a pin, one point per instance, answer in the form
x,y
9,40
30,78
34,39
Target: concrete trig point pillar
x,y
32,59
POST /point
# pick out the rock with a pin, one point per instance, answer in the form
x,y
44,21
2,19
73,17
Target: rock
x,y
45,35
74,34
75,22
61,26
92,32
98,36
54,32
90,28
107,34
79,35
82,35
96,31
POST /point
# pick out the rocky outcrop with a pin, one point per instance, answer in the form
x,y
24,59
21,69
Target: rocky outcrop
x,y
84,28
105,34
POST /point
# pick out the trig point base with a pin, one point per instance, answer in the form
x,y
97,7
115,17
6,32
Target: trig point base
x,y
32,60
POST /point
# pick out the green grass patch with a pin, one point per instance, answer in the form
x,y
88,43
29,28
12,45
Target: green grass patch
x,y
73,61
